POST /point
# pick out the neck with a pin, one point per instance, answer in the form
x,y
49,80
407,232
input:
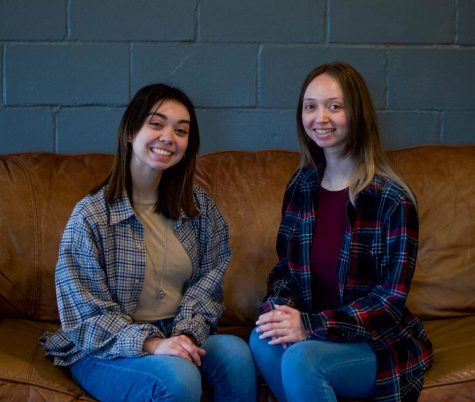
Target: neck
x,y
338,172
144,186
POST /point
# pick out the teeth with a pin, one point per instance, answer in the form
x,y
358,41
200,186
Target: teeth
x,y
325,131
159,151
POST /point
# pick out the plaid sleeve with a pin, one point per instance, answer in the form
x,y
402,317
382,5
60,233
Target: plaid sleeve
x,y
90,319
202,303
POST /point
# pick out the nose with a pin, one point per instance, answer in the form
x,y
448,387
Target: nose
x,y
167,134
322,115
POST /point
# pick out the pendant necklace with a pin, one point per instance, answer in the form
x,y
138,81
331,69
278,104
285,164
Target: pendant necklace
x,y
160,293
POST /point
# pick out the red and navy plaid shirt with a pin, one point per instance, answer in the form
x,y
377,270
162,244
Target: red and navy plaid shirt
x,y
375,269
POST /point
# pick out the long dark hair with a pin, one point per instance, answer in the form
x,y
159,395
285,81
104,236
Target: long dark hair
x,y
175,191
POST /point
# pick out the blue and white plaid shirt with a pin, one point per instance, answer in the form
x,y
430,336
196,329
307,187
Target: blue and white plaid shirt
x,y
100,272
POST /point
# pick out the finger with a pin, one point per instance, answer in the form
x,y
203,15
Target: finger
x,y
192,351
187,345
281,324
271,316
282,308
267,327
280,340
263,318
173,347
274,333
179,352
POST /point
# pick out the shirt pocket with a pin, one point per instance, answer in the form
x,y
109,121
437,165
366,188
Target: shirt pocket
x,y
367,257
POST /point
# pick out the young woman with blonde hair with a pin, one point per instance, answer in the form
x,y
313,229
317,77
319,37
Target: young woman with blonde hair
x,y
334,321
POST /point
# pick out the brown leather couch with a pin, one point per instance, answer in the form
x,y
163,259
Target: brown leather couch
x,y
40,189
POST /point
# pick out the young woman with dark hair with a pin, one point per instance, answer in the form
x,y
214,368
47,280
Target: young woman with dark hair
x,y
140,271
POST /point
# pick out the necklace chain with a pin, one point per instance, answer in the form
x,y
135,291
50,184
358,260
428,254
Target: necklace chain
x,y
160,293
338,187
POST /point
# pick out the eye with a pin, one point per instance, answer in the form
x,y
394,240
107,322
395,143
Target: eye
x,y
335,107
181,132
156,124
309,107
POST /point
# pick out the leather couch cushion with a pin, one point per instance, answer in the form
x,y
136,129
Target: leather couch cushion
x,y
29,375
454,360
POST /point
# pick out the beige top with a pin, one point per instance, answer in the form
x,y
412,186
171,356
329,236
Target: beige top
x,y
168,267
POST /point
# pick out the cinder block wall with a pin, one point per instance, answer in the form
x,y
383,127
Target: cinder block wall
x,y
69,67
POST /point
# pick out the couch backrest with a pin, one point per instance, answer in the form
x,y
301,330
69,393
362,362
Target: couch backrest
x,y
39,191
443,179
248,188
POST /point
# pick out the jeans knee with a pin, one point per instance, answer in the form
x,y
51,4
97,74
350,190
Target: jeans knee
x,y
297,362
254,339
227,359
229,350
183,387
256,345
228,368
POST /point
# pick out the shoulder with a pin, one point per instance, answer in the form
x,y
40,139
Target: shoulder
x,y
201,196
388,189
388,199
301,185
91,208
303,177
88,215
202,200
96,210
205,205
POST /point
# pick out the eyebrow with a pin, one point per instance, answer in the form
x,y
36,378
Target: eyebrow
x,y
165,117
332,98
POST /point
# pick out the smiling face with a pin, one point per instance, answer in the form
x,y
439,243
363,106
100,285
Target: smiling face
x,y
324,116
162,140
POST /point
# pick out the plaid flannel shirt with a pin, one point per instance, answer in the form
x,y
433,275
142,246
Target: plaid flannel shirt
x,y
100,272
375,269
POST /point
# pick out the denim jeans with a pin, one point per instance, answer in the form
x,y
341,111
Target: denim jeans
x,y
227,368
316,370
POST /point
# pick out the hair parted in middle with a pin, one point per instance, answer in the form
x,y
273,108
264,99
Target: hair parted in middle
x,y
363,143
175,191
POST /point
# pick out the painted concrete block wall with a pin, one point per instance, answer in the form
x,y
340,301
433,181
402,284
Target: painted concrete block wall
x,y
69,67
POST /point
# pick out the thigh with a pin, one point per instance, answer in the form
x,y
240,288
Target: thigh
x,y
349,367
157,378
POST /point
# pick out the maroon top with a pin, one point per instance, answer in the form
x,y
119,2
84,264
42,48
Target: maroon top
x,y
328,237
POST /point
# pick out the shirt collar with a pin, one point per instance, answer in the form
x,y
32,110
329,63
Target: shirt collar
x,y
121,209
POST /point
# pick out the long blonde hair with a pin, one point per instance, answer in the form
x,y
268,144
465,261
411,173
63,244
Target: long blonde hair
x,y
363,143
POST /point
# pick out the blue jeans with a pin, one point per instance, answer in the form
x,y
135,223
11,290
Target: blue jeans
x,y
316,370
227,368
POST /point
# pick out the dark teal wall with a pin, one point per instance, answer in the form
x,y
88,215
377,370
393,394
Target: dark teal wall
x,y
69,67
